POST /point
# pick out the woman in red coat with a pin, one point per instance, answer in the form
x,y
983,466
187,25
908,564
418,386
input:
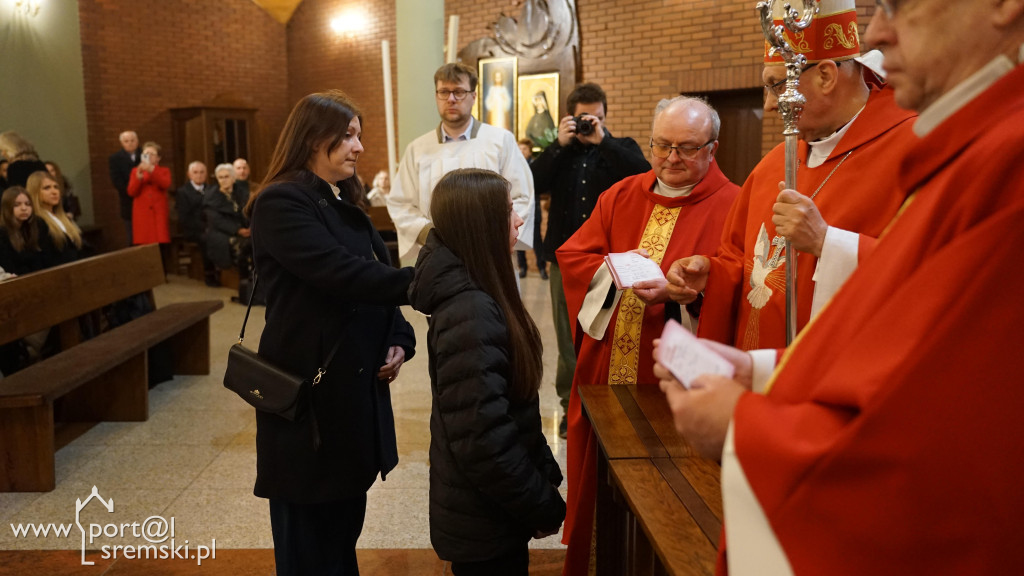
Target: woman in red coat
x,y
148,186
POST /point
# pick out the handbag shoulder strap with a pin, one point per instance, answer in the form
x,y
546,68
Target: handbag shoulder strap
x,y
241,335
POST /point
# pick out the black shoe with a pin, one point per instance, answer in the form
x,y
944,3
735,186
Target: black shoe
x,y
563,428
543,274
522,273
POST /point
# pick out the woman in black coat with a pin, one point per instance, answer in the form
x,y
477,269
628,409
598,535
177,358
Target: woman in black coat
x,y
493,480
20,233
327,280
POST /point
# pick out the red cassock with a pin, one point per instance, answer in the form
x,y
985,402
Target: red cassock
x,y
149,207
617,225
858,197
890,439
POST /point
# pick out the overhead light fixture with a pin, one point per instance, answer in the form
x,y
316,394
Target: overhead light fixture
x,y
27,7
349,23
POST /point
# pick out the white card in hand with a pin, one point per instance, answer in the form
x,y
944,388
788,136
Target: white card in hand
x,y
687,357
628,268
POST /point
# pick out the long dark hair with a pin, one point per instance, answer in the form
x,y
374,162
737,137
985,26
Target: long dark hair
x,y
318,119
23,235
470,212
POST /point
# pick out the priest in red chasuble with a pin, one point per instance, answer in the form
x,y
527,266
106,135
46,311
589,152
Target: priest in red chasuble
x,y
677,208
853,137
888,439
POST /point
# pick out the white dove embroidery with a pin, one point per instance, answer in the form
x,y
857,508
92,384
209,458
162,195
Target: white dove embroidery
x,y
763,265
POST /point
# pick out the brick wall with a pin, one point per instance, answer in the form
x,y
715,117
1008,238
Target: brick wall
x,y
320,59
640,51
141,58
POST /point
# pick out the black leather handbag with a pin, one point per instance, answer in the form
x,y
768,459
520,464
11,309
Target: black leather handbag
x,y
264,386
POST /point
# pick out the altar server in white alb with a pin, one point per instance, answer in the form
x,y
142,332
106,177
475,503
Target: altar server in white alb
x,y
460,141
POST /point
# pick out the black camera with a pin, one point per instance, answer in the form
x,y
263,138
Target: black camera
x,y
584,127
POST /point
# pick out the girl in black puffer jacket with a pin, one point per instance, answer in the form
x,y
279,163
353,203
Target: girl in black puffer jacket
x,y
493,479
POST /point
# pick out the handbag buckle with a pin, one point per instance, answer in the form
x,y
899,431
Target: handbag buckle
x,y
319,373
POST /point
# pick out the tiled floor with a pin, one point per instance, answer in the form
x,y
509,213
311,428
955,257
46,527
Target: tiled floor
x,y
194,460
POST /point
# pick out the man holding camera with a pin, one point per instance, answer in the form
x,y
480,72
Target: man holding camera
x,y
574,170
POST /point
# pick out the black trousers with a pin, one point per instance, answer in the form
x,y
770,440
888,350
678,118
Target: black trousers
x,y
514,564
317,538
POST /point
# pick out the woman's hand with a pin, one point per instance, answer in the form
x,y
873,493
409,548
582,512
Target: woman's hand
x,y
244,232
392,364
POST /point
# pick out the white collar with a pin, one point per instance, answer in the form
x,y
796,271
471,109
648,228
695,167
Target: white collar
x,y
952,101
458,137
821,149
335,190
667,191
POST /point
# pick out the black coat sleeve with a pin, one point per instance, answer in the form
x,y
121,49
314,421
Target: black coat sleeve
x,y
119,172
623,156
287,225
545,167
473,399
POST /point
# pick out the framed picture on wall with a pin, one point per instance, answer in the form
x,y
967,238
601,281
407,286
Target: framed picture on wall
x,y
497,92
538,108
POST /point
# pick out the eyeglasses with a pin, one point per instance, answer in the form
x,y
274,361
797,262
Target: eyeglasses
x,y
779,87
888,6
685,152
459,94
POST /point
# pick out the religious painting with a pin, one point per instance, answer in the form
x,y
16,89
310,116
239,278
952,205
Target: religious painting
x,y
496,92
538,109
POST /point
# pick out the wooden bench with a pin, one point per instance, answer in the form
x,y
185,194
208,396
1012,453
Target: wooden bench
x,y
659,504
185,258
101,379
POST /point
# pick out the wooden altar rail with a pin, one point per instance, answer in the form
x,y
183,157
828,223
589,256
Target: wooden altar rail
x,y
659,504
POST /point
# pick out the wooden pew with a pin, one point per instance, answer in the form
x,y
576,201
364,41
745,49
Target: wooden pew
x,y
102,379
659,504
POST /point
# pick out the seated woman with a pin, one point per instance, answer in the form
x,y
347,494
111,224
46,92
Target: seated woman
x,y
62,240
493,479
22,157
72,206
19,233
227,230
148,186
378,195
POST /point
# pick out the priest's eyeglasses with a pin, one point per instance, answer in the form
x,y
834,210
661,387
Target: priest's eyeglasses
x,y
888,6
684,152
779,87
459,94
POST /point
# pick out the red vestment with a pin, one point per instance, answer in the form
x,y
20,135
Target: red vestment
x,y
617,225
858,197
889,441
149,207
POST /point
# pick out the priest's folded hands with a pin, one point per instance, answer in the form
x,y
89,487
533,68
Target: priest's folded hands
x,y
702,414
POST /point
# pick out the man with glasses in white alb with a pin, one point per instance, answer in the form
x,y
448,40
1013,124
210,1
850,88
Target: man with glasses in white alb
x,y
459,141
852,138
677,208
